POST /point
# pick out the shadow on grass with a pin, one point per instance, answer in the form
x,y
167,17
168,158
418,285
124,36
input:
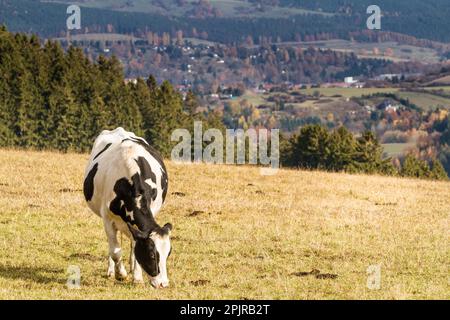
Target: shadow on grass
x,y
40,275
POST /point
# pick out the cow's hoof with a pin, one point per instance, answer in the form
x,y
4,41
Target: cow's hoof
x,y
121,273
121,277
138,282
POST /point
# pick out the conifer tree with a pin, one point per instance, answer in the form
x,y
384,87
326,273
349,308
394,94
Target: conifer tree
x,y
437,171
415,168
368,156
310,148
340,149
191,103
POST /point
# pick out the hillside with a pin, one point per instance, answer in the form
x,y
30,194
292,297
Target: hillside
x,y
237,234
195,8
233,20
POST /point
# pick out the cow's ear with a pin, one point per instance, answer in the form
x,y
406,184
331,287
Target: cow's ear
x,y
167,228
136,233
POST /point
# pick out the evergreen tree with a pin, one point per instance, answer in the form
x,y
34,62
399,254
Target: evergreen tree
x,y
340,150
191,103
310,147
368,156
413,167
166,115
66,121
25,115
437,171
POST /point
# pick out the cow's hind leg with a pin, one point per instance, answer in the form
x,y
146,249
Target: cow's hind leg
x,y
116,266
135,267
111,266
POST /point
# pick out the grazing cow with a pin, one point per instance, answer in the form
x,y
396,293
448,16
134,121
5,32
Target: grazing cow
x,y
126,184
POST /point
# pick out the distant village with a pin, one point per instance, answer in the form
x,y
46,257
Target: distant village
x,y
208,68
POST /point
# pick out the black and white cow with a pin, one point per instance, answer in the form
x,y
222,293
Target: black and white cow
x,y
126,184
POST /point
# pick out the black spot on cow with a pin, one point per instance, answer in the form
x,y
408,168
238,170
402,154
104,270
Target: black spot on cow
x,y
88,187
155,154
129,192
147,173
164,183
124,200
146,170
104,149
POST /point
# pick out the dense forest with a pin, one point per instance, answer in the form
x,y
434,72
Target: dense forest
x,y
422,19
51,99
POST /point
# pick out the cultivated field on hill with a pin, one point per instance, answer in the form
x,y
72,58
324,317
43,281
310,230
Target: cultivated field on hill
x,y
237,234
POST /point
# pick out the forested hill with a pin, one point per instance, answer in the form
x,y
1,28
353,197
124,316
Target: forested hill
x,y
232,21
51,99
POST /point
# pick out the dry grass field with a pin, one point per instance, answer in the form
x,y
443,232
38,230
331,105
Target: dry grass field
x,y
237,234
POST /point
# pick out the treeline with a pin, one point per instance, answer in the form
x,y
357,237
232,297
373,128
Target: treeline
x,y
422,19
314,147
50,99
443,127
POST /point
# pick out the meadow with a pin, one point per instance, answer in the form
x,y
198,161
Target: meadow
x,y
347,92
400,52
426,101
393,150
237,234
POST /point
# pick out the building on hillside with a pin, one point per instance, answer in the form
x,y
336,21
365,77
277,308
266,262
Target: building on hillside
x,y
389,105
350,80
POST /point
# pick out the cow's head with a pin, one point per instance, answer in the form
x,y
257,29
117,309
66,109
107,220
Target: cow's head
x,y
151,251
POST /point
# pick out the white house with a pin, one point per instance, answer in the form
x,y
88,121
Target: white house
x,y
350,80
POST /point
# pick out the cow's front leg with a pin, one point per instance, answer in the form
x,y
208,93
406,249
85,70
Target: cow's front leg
x,y
116,266
135,267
